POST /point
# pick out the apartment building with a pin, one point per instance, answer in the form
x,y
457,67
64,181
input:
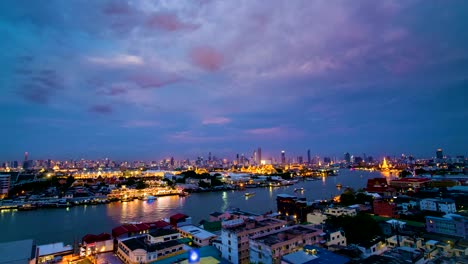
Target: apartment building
x,y
235,235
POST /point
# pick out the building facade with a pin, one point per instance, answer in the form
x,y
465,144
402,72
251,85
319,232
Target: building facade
x,y
4,185
449,224
235,236
200,237
438,205
268,248
149,248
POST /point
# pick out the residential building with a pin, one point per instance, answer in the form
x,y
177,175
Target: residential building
x,y
268,248
385,208
179,220
375,246
4,185
200,237
438,205
332,238
94,244
449,224
235,236
316,217
404,241
290,205
339,211
150,247
314,255
19,252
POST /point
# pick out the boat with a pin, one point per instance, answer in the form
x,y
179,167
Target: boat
x,y
299,189
149,198
27,207
339,185
183,194
311,179
247,194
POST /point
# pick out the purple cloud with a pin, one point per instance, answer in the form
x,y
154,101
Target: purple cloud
x,y
169,22
216,121
101,109
206,58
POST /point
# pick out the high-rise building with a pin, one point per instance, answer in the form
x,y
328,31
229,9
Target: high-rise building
x,y
209,156
283,157
26,154
347,157
308,156
259,155
4,185
439,154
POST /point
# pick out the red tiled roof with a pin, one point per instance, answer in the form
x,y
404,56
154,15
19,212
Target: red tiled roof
x,y
118,231
89,238
103,237
132,228
178,216
412,180
143,226
158,224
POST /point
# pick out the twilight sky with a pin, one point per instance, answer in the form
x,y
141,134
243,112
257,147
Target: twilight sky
x,y
149,79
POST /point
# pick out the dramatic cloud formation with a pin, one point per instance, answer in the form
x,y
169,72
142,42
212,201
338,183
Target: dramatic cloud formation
x,y
148,79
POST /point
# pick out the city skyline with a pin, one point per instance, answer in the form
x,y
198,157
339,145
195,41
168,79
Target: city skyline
x,y
141,80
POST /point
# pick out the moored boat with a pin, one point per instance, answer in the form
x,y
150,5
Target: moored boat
x,y
247,194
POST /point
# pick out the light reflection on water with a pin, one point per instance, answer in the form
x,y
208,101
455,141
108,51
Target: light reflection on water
x,y
53,225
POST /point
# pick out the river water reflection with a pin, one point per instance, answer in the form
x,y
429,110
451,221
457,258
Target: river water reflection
x,y
67,225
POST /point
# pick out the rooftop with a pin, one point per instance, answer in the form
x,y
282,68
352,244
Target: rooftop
x,y
139,243
197,232
163,232
314,255
284,235
54,248
17,251
257,224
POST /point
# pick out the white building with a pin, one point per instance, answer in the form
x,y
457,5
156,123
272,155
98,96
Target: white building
x,y
150,247
200,237
316,218
331,238
339,211
438,205
376,246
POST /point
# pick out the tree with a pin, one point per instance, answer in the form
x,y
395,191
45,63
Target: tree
x,y
357,229
141,185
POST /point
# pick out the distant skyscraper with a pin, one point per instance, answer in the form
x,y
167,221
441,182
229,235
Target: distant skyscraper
x,y
259,155
300,160
347,157
209,156
283,157
26,154
439,154
308,156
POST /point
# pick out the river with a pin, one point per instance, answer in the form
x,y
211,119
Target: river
x,y
71,224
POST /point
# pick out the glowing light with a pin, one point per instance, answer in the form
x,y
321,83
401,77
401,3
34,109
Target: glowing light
x,y
194,257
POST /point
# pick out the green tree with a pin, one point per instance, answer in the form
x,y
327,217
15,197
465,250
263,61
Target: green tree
x,y
141,185
357,229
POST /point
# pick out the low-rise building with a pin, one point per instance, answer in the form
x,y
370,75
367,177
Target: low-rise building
x,y
22,251
449,224
200,237
333,238
339,211
268,248
150,247
179,220
235,236
385,208
94,244
53,252
438,205
404,241
375,246
316,217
